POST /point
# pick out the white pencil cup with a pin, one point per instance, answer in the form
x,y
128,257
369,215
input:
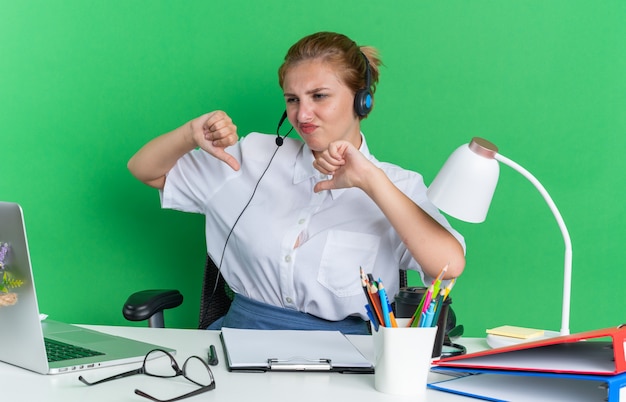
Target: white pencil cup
x,y
403,359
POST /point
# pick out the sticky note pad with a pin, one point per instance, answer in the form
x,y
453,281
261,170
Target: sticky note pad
x,y
515,332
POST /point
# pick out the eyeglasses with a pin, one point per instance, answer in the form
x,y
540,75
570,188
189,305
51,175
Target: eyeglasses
x,y
159,363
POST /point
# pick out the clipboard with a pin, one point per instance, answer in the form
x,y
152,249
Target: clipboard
x,y
597,352
500,385
253,350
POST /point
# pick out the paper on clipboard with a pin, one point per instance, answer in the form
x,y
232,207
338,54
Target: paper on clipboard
x,y
291,350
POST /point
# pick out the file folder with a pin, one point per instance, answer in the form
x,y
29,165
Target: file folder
x,y
597,352
500,385
291,350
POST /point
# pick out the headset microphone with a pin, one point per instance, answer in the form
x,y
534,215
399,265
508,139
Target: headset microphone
x,y
279,139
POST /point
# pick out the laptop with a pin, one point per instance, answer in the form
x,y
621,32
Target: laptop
x,y
31,343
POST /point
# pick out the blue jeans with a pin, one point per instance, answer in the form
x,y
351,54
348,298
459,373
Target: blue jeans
x,y
250,314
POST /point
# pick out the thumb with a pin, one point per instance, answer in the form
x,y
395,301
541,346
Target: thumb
x,y
323,185
227,158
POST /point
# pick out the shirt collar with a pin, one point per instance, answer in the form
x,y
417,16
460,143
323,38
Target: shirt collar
x,y
304,169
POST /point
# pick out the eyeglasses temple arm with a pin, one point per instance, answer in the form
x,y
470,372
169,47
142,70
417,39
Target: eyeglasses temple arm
x,y
115,377
178,398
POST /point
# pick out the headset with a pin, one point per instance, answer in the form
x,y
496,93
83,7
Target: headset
x,y
363,100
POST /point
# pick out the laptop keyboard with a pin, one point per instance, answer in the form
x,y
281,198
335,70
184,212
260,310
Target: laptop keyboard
x,y
58,351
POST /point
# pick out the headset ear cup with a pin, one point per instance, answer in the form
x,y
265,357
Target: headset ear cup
x,y
362,102
363,97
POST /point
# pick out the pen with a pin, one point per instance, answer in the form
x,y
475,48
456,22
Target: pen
x,y
428,317
422,319
212,356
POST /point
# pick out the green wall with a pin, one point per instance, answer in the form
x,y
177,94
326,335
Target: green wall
x,y
83,84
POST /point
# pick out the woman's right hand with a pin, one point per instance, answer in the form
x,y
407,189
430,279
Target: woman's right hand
x,y
213,132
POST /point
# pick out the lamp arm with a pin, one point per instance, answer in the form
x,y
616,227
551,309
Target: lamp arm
x,y
567,269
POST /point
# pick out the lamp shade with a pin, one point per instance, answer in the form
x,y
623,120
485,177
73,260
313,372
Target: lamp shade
x,y
464,186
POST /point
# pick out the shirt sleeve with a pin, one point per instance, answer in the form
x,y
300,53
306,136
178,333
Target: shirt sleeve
x,y
194,179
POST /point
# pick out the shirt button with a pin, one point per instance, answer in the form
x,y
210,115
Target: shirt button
x,y
289,300
301,221
287,258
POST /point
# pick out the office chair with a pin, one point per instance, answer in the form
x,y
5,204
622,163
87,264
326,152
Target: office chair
x,y
150,304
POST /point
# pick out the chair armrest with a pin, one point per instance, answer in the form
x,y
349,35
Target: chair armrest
x,y
144,304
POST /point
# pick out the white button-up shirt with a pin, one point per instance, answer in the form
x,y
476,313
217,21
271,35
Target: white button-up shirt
x,y
290,246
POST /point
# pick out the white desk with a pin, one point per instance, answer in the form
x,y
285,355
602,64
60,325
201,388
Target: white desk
x,y
22,385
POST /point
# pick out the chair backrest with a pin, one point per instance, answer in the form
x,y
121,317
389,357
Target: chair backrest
x,y
403,279
215,305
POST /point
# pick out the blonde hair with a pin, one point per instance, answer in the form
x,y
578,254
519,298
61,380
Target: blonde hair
x,y
341,52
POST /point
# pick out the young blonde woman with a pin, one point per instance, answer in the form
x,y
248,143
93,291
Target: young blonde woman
x,y
290,221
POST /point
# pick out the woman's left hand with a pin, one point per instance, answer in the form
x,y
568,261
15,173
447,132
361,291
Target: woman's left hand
x,y
346,164
427,240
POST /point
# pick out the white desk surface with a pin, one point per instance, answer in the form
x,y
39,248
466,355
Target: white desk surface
x,y
22,385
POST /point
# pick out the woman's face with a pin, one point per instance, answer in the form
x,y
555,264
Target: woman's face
x,y
320,106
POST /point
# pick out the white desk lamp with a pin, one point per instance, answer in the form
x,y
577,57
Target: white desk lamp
x,y
464,188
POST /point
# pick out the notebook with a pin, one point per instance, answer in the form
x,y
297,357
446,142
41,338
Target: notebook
x,y
23,335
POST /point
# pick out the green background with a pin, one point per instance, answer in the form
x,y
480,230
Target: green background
x,y
83,84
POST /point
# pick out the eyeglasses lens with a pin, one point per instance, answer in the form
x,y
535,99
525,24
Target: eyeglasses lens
x,y
161,364
198,372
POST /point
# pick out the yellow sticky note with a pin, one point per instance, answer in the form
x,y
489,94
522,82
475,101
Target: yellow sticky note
x,y
516,332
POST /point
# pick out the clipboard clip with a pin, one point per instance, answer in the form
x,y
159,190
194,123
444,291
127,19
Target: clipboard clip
x,y
299,364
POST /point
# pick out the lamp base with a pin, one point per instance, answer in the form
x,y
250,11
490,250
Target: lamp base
x,y
498,341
